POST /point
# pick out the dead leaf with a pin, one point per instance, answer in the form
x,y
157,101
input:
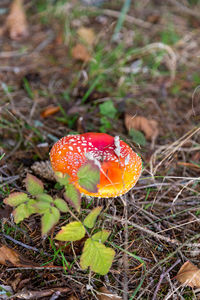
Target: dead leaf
x,y
10,257
149,127
189,275
87,35
41,293
16,23
107,295
50,110
5,212
80,52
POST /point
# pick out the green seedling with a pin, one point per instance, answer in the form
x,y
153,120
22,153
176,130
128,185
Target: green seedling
x,y
36,201
107,109
95,254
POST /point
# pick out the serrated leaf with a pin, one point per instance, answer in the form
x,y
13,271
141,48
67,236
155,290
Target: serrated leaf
x,y
89,176
91,218
61,205
20,213
73,231
15,199
101,236
31,206
34,185
73,196
97,256
49,219
108,109
45,198
63,179
42,207
137,136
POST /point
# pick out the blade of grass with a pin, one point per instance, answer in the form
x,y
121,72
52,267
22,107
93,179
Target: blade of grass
x,y
121,19
91,88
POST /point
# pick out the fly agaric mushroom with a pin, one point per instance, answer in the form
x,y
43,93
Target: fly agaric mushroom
x,y
120,166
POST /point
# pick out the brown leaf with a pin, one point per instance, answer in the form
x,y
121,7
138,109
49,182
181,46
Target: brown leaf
x,y
149,127
87,35
80,52
189,275
107,295
10,257
50,110
5,212
16,23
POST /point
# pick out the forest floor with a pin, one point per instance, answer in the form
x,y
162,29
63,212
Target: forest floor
x,y
83,68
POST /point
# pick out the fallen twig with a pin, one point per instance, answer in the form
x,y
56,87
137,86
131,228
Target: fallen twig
x,y
162,276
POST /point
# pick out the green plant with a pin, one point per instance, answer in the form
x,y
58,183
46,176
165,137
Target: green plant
x,y
137,136
95,254
37,201
108,112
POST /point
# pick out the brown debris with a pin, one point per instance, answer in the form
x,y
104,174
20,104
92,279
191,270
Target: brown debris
x,y
105,294
49,111
189,275
80,52
16,22
149,127
10,257
87,35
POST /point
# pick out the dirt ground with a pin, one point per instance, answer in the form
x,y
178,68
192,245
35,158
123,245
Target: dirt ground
x,y
136,59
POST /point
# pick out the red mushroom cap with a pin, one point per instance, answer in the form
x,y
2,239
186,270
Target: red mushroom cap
x,y
120,166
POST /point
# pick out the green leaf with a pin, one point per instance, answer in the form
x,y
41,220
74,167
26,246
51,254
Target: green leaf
x,y
63,179
89,176
21,212
91,218
45,198
42,207
49,219
61,205
73,231
108,109
101,236
97,256
138,137
31,207
34,185
73,196
15,199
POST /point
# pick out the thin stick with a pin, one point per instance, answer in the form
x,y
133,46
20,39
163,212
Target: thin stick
x,y
128,19
162,276
154,234
22,244
125,256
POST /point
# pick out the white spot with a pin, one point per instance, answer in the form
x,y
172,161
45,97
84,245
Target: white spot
x,y
127,159
117,146
71,148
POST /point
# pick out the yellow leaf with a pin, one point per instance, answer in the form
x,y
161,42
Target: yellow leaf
x,y
87,35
